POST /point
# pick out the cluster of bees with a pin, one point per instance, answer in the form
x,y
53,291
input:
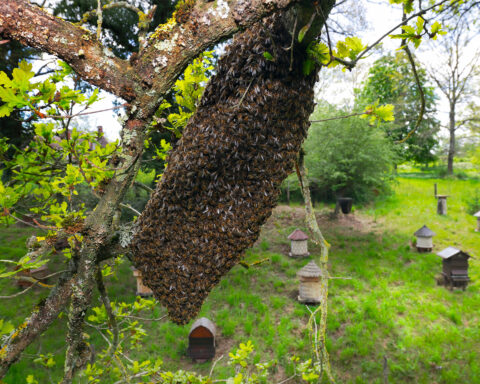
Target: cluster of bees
x,y
223,176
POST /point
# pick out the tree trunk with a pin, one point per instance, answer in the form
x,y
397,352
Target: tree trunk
x,y
451,146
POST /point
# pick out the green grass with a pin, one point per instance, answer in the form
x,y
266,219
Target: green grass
x,y
388,305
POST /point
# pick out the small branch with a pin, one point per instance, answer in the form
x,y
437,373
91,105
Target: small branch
x,y
338,117
317,237
143,186
19,293
245,265
128,206
420,91
84,113
99,19
213,365
244,94
144,318
293,43
108,308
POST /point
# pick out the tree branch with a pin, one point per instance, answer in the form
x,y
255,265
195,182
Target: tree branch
x,y
317,237
30,25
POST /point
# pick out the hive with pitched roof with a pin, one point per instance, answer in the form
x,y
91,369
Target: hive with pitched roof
x,y
298,244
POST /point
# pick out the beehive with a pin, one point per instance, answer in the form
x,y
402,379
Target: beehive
x,y
310,290
298,244
455,267
424,239
442,204
224,174
201,340
142,289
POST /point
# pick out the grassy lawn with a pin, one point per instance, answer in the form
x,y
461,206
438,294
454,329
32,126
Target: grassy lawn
x,y
385,302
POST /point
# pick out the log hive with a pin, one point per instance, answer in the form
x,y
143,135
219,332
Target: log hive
x,y
223,176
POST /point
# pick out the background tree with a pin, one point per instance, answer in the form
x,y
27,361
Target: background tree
x,y
347,157
391,81
455,76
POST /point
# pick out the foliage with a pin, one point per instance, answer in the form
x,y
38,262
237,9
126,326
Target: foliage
x,y
391,81
347,157
473,202
187,93
12,127
48,173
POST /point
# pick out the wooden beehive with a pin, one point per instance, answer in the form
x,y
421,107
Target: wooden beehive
x,y
309,291
424,239
142,290
298,244
477,215
455,267
442,204
201,340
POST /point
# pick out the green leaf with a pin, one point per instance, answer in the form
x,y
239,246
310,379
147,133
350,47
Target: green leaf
x,y
93,98
21,76
4,80
268,56
420,24
308,67
303,32
5,110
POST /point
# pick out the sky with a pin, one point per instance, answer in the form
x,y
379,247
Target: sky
x,y
377,16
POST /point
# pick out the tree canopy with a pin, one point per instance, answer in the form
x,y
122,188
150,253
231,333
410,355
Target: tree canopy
x,y
391,81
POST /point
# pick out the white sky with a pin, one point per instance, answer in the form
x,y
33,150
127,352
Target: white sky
x,y
336,87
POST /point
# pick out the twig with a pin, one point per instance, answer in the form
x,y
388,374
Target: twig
x,y
19,293
213,365
128,206
143,186
351,64
84,113
419,86
25,222
244,94
143,318
293,42
108,308
287,379
339,117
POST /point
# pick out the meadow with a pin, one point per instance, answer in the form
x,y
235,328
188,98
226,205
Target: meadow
x,y
383,301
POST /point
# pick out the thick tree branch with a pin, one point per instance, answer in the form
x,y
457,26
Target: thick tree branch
x,y
30,25
173,45
41,318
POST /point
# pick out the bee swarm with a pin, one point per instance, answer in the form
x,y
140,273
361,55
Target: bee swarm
x,y
223,177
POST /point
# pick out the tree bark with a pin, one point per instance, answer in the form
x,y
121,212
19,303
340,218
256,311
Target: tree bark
x,y
322,261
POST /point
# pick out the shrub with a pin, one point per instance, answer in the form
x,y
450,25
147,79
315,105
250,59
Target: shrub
x,y
348,157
